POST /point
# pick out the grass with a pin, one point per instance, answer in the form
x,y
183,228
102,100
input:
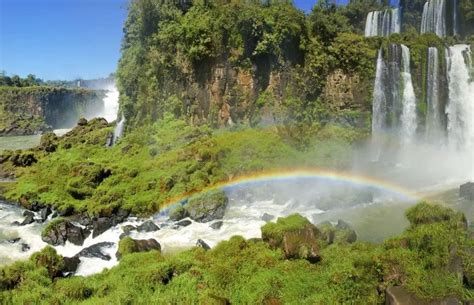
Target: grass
x,y
243,271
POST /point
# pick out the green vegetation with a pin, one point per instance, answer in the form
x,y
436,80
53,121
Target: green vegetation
x,y
251,272
153,165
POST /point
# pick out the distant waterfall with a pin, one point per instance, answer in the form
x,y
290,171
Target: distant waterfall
x,y
433,115
460,107
111,104
434,18
383,23
408,117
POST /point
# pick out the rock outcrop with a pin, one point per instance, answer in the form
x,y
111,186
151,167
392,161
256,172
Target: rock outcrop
x,y
295,236
58,231
202,208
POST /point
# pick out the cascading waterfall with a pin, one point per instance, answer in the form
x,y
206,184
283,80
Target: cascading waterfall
x,y
408,117
118,131
379,99
383,23
460,107
111,104
433,116
434,18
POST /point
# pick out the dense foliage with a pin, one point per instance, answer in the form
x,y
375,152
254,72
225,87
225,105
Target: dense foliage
x,y
242,271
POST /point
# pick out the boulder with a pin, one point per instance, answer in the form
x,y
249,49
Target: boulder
x,y
184,223
217,225
44,213
267,217
13,240
25,247
28,214
341,233
466,191
59,231
82,122
96,251
100,225
207,207
128,245
28,220
70,264
128,228
178,214
202,244
148,226
295,235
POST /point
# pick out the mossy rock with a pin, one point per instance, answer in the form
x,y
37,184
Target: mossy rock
x,y
295,235
129,245
425,213
203,207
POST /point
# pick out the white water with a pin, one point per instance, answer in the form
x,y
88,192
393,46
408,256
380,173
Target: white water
x,y
408,119
460,107
111,104
383,23
434,18
118,131
433,119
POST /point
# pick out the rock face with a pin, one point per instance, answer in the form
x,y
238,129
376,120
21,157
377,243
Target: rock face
x,y
59,231
71,264
466,191
32,110
295,235
128,245
202,208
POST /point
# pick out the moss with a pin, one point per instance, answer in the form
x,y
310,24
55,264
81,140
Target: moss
x,y
425,213
126,246
290,223
52,225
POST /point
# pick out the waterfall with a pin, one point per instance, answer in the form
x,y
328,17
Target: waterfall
x,y
460,107
408,117
111,104
434,18
433,116
379,100
383,23
118,131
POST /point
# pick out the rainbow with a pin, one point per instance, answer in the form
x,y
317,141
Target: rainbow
x,y
305,173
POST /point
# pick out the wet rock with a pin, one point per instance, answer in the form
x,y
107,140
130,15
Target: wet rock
x,y
202,244
15,223
129,245
96,251
466,191
13,240
77,235
60,231
295,235
68,211
25,247
178,214
128,228
267,217
28,220
207,207
184,223
100,225
71,264
28,214
44,213
216,225
148,226
109,141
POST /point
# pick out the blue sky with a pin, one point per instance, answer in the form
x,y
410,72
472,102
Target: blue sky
x,y
65,39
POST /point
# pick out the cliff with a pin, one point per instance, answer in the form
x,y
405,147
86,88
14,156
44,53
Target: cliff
x,y
30,110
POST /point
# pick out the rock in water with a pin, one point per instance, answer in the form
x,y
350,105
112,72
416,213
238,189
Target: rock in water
x,y
128,245
466,191
59,231
183,223
148,226
207,207
100,225
71,264
44,213
217,225
28,220
202,244
96,251
295,235
25,247
267,217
